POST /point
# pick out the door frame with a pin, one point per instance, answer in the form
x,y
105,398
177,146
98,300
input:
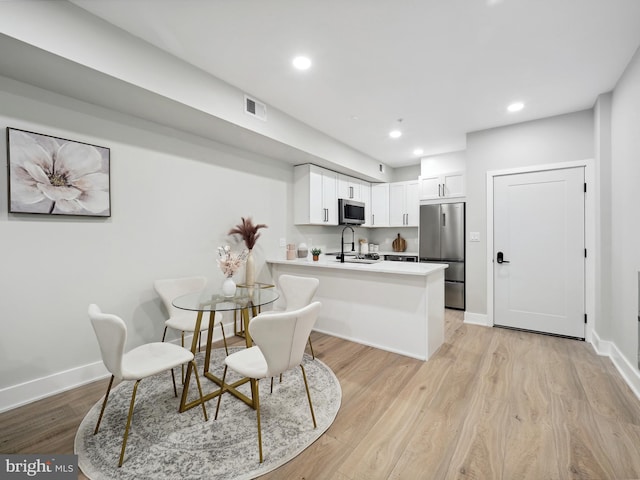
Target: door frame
x,y
589,235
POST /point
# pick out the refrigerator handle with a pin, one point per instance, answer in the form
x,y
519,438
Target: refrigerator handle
x,y
444,219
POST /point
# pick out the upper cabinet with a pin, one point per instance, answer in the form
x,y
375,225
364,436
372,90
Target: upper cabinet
x,y
365,197
349,187
379,205
404,204
446,185
315,191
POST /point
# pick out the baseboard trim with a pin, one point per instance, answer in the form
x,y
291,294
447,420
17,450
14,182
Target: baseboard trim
x,y
24,393
33,390
481,319
609,349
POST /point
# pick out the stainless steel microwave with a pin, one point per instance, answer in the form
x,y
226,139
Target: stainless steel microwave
x,y
350,212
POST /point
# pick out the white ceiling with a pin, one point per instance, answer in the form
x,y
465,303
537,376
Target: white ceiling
x,y
445,67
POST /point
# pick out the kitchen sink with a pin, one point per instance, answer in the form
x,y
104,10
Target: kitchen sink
x,y
359,260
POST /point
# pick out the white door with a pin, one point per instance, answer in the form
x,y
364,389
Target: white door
x,y
539,256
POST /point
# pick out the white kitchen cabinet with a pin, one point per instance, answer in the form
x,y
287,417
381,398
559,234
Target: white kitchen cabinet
x,y
379,205
365,197
446,185
404,204
349,187
315,193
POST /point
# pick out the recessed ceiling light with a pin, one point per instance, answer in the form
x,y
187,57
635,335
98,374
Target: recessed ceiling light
x,y
515,107
302,63
418,151
395,133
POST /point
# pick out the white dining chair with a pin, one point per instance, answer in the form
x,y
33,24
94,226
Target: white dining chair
x,y
297,292
280,339
182,320
137,364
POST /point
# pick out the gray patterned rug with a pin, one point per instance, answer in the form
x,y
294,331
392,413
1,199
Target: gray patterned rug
x,y
164,444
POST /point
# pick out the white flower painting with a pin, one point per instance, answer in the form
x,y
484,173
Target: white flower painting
x,y
55,176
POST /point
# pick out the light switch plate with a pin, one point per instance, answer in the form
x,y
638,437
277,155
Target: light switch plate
x,y
474,236
283,242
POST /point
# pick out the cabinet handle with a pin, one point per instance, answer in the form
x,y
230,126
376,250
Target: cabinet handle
x,y
373,219
350,192
439,190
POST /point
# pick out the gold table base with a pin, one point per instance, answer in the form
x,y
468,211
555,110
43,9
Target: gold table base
x,y
231,388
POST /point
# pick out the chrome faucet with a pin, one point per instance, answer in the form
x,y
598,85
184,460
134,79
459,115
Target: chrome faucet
x,y
353,242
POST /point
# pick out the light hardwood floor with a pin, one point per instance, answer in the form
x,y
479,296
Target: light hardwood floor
x,y
490,404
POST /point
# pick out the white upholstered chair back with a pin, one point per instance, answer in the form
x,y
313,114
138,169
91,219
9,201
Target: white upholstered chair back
x,y
111,333
297,291
170,288
282,336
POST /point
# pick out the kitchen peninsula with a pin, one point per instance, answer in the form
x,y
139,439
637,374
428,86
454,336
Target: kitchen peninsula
x,y
394,306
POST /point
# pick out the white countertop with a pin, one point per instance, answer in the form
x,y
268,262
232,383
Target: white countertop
x,y
402,268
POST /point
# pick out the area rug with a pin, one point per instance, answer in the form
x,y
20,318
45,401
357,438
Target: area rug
x,y
164,444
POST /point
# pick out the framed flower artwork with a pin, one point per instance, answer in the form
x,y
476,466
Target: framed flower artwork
x,y
54,176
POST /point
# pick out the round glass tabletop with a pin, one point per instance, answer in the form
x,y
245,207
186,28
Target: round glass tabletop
x,y
213,300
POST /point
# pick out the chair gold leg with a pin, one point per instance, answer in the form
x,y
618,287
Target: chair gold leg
x,y
126,429
313,355
173,377
224,339
256,402
195,371
224,377
104,404
182,366
306,386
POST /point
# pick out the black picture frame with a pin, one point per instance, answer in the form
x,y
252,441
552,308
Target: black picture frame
x,y
56,176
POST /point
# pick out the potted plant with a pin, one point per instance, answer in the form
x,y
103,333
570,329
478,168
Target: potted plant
x,y
315,252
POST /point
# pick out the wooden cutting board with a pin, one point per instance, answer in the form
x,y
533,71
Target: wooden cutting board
x,y
399,244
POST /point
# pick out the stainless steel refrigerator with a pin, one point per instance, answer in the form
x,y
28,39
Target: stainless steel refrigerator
x,y
442,241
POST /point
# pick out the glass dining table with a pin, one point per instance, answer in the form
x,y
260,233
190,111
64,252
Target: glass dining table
x,y
247,300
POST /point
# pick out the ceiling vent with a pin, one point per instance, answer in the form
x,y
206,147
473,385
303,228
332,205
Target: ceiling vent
x,y
255,108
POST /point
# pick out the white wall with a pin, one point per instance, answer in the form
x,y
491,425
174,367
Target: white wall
x,y
625,220
443,163
402,174
174,198
602,192
557,139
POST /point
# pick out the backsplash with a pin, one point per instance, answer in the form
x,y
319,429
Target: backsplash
x,y
328,238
